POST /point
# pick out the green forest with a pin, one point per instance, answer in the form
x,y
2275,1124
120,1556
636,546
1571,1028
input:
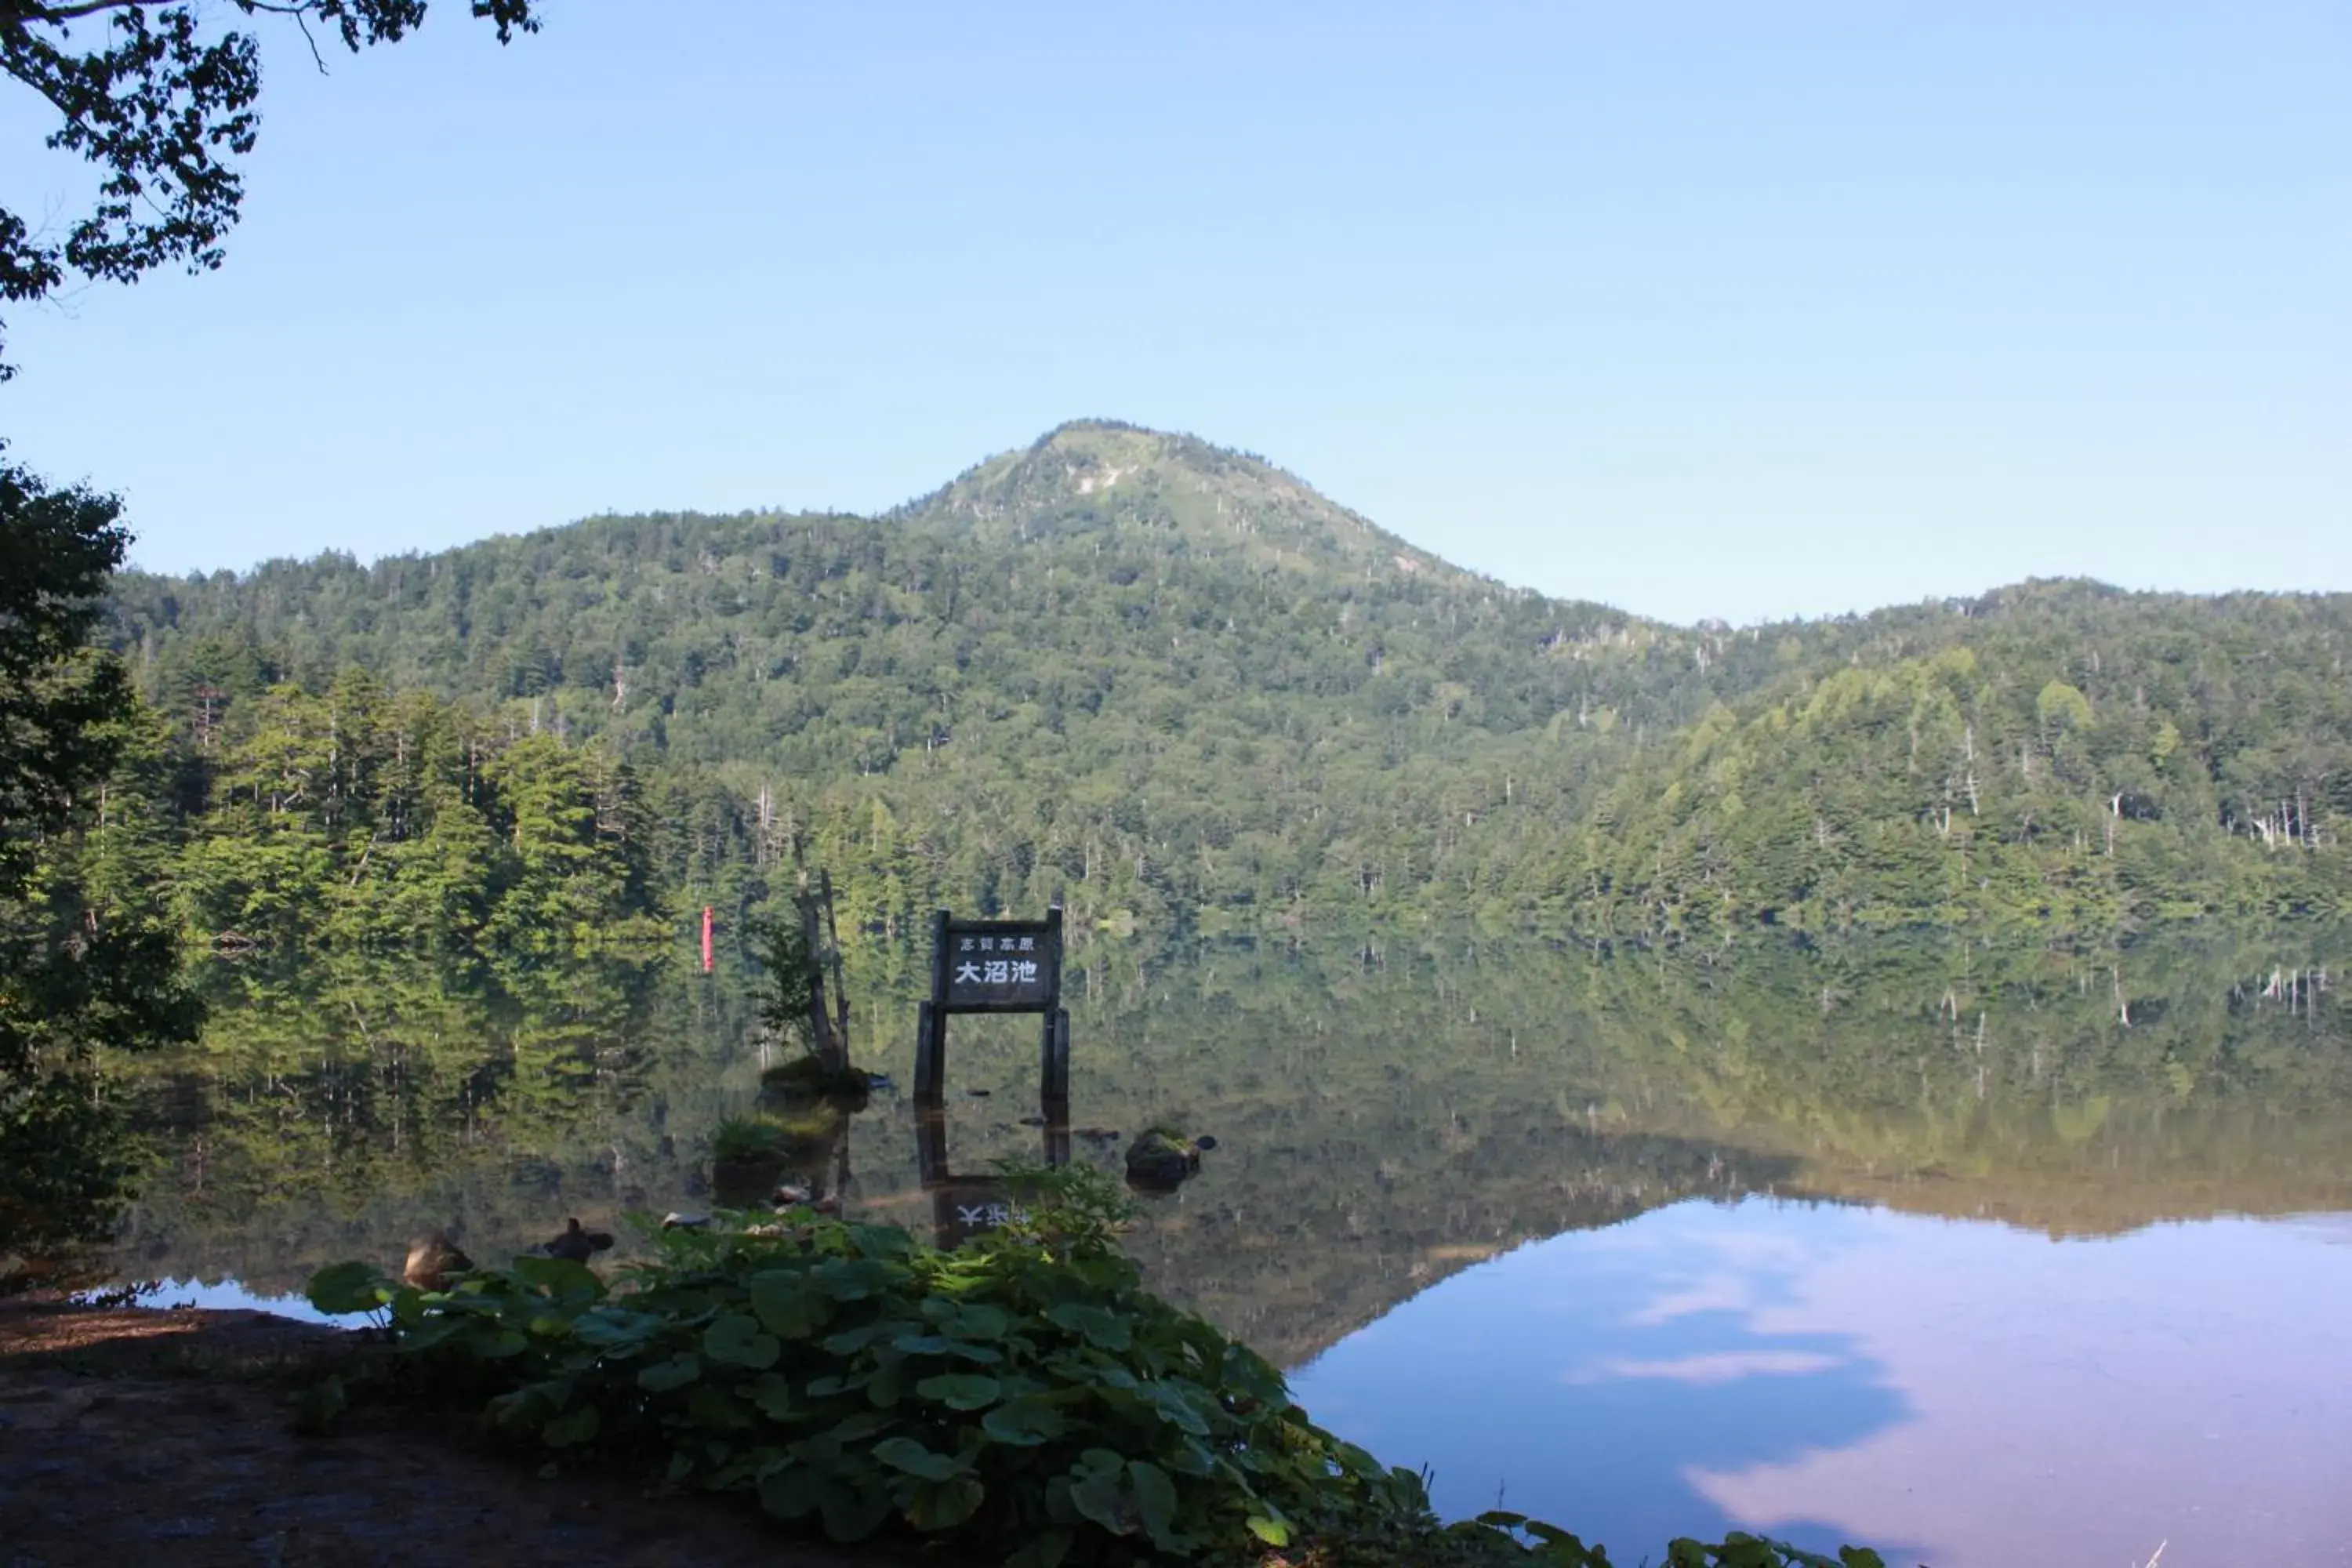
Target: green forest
x,y
1175,688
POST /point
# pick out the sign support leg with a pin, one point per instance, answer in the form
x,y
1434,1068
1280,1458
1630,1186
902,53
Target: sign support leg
x,y
931,1055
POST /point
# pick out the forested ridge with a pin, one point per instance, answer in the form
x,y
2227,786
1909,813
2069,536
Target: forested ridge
x,y
1173,685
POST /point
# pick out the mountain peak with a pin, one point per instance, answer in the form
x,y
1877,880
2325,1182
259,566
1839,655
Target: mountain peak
x,y
1104,475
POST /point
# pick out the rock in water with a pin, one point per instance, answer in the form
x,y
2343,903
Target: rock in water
x,y
576,1244
1160,1162
432,1258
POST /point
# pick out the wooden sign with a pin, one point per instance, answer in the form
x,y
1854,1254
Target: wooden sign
x,y
998,966
994,966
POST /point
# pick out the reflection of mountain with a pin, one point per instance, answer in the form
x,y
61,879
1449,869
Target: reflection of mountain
x,y
1386,1117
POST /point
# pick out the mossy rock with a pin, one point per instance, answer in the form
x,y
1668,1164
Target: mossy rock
x,y
1161,1161
744,1181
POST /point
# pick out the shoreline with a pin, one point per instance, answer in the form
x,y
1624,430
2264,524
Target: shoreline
x,y
131,1435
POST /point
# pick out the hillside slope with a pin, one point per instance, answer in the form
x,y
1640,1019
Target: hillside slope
x,y
1195,685
1171,683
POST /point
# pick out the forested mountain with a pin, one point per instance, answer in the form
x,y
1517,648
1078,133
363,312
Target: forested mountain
x,y
1171,685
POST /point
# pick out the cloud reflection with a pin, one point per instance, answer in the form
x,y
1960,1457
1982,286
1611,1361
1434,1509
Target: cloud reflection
x,y
1957,1394
1720,1367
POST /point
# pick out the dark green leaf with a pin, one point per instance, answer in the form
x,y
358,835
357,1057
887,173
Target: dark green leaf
x,y
906,1454
1271,1531
1099,1493
1102,1329
578,1425
344,1288
675,1372
792,1492
943,1505
960,1391
852,1514
735,1340
1023,1423
1155,1499
715,1407
788,1305
560,1277
774,1395
1045,1551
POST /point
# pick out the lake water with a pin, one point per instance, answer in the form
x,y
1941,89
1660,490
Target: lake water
x,y
1981,1254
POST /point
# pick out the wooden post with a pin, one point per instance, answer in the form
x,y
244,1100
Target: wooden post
x,y
932,1021
1054,1066
1055,1136
930,1065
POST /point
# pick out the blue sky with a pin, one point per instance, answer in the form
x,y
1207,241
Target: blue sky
x,y
1701,310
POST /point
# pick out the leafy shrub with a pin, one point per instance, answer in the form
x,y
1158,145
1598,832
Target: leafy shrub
x,y
1024,1393
747,1138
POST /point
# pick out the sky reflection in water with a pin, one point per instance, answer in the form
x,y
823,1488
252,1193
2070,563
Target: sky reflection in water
x,y
1957,1394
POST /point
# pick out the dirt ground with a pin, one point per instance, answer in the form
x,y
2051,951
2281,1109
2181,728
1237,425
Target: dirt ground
x,y
132,1436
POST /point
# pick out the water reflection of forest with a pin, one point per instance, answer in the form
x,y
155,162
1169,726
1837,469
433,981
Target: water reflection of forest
x,y
1388,1112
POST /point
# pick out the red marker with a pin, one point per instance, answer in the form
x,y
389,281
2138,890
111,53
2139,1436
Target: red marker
x,y
706,939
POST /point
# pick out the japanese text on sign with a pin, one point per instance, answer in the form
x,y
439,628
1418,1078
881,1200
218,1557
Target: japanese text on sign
x,y
1001,970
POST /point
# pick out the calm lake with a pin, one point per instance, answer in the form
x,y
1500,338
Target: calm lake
x,y
1982,1254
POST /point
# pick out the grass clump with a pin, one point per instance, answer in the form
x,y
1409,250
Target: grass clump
x,y
1023,1396
747,1138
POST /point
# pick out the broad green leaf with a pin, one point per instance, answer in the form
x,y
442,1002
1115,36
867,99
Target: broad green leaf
x,y
849,1342
559,1277
1025,1423
429,1332
850,1278
788,1305
609,1328
960,1391
943,1505
344,1288
576,1426
986,1355
1045,1551
1174,1408
774,1395
713,1406
1553,1535
1101,1328
792,1492
1155,1500
1271,1531
906,1454
735,1340
663,1376
858,1428
881,1241
1096,1492
852,1514
979,1320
